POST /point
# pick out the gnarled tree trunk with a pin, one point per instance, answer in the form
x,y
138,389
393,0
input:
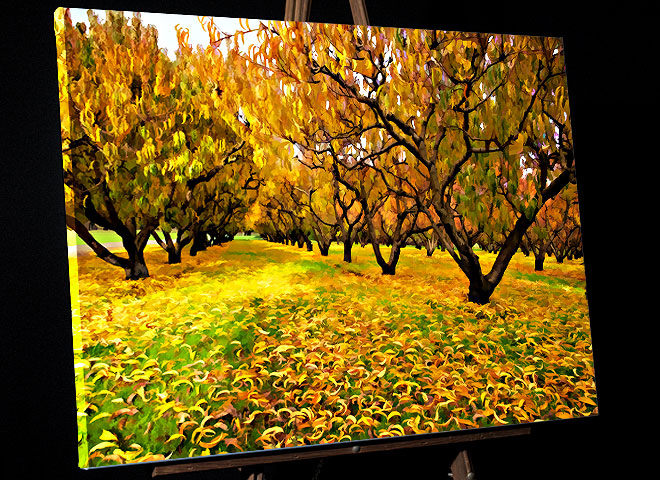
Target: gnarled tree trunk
x,y
348,246
539,258
199,243
134,266
172,248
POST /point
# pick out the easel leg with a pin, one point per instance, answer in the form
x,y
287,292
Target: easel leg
x,y
461,467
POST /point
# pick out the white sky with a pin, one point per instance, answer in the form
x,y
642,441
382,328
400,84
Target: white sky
x,y
165,23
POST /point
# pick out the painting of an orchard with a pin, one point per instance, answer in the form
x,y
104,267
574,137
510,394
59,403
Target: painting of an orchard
x,y
297,234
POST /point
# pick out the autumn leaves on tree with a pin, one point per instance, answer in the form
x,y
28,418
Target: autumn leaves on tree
x,y
320,133
143,148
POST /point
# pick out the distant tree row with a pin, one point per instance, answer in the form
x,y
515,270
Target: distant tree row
x,y
555,231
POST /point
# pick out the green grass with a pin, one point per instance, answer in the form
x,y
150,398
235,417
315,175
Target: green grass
x,y
108,236
101,236
551,281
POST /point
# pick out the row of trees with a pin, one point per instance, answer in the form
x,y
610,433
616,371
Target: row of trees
x,y
292,218
400,132
143,150
324,133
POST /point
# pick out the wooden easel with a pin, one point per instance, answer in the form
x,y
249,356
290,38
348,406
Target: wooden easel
x,y
460,467
298,11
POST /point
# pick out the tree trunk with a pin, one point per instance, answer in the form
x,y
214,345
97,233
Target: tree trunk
x,y
347,251
199,243
431,245
524,249
480,290
308,244
387,267
134,246
134,266
174,256
539,258
323,248
137,270
172,248
482,286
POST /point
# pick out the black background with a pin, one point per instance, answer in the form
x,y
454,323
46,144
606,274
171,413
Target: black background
x,y
37,423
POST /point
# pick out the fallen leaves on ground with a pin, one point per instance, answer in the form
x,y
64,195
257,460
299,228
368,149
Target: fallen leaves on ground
x,y
255,345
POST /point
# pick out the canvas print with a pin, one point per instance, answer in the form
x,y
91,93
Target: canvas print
x,y
286,234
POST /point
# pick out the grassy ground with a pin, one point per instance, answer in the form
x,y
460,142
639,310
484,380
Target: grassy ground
x,y
255,345
101,236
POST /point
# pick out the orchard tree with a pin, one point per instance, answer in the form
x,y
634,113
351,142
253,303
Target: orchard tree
x,y
118,111
220,172
566,240
139,135
538,238
474,112
315,187
273,107
389,219
194,197
556,229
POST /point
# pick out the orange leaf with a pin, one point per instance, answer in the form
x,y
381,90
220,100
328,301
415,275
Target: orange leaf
x,y
589,401
125,411
234,442
183,426
213,442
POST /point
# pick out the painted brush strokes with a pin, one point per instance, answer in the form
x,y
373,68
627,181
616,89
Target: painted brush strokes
x,y
300,233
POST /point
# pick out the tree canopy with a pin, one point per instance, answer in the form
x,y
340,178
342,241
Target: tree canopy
x,y
142,146
319,132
